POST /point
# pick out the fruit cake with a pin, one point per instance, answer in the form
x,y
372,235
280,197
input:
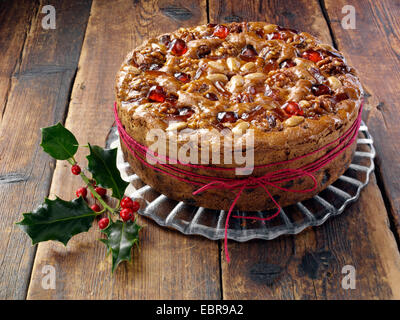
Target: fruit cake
x,y
295,93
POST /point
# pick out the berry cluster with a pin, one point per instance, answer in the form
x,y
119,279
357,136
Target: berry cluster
x,y
128,206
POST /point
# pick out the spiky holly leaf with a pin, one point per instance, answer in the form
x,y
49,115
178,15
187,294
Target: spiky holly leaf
x,y
121,236
57,220
103,166
59,142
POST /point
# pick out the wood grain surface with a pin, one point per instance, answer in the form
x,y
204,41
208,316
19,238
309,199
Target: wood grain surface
x,y
308,265
67,75
157,272
373,47
38,97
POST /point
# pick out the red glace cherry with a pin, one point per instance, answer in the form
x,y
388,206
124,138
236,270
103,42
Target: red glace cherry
x,y
320,89
126,214
312,55
178,47
183,77
274,36
227,116
221,32
81,192
75,169
292,108
95,208
157,94
103,223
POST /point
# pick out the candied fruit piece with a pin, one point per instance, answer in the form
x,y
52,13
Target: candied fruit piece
x,y
248,53
157,94
320,89
183,77
178,47
221,31
274,36
312,55
227,116
287,64
211,96
292,108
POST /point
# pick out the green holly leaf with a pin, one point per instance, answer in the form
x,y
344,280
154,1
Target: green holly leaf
x,y
121,236
103,166
57,220
59,142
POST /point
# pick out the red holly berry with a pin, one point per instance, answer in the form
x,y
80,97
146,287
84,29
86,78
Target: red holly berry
x,y
320,89
126,202
95,208
227,116
178,47
101,191
157,94
183,77
135,206
75,169
292,108
126,214
103,223
221,32
81,192
312,55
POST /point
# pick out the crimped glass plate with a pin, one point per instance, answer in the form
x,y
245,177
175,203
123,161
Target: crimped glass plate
x,y
293,219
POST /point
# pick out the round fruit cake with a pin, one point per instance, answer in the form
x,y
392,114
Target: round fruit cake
x,y
196,84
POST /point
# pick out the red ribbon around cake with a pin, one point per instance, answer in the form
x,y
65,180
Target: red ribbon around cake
x,y
273,179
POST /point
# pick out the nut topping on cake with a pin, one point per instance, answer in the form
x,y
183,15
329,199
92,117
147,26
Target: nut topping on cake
x,y
259,73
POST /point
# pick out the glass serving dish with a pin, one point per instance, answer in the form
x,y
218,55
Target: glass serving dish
x,y
293,219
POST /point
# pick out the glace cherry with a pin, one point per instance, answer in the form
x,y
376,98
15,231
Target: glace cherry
x,y
292,108
312,55
178,47
221,32
227,116
157,94
320,89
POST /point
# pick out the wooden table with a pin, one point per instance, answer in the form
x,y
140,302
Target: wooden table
x,y
67,74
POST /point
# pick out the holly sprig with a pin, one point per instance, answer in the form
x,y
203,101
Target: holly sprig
x,y
60,220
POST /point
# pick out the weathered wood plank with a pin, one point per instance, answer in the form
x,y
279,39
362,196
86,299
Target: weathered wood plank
x,y
15,20
169,265
309,265
35,99
373,48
